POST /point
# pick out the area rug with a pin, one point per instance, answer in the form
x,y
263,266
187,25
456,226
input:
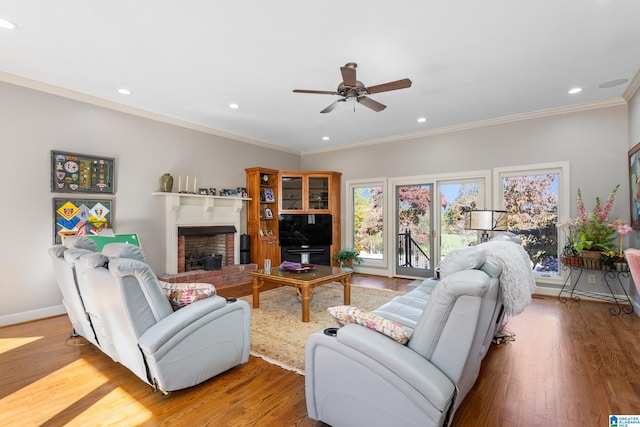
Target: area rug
x,y
278,334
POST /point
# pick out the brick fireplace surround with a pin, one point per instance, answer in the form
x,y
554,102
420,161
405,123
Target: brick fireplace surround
x,y
191,210
230,275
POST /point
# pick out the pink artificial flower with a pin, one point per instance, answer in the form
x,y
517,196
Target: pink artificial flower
x,y
621,227
609,204
582,212
624,229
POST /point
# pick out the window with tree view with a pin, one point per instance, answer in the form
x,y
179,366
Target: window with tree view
x,y
455,197
531,201
368,221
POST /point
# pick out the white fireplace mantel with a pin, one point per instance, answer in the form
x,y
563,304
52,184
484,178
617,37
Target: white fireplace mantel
x,y
182,209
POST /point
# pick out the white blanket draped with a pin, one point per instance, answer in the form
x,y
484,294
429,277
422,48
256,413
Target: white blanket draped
x,y
516,281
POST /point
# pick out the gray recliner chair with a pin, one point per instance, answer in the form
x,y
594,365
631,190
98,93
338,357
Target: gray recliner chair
x,y
168,349
63,258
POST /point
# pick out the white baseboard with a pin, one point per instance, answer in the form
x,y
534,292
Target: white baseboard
x,y
27,316
543,290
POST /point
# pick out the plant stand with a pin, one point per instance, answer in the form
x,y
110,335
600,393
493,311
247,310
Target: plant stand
x,y
623,305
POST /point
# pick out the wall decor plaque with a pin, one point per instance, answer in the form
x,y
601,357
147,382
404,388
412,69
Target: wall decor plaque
x,y
80,217
79,173
634,185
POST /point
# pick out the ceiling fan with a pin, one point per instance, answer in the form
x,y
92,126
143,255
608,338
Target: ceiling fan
x,y
352,88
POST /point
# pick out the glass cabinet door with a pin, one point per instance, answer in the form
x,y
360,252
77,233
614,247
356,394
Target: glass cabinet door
x,y
318,193
292,193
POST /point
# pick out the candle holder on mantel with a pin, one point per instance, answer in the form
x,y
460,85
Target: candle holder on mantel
x,y
186,186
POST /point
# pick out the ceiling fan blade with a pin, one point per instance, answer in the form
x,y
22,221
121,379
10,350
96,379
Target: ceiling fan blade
x,y
319,92
348,76
331,107
368,102
384,87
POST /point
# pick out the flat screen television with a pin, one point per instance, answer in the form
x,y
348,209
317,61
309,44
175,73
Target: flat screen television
x,y
305,229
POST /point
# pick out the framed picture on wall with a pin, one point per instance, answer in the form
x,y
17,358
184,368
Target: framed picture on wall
x,y
80,217
634,185
80,173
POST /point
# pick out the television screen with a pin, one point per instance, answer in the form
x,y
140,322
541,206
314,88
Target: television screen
x,y
304,229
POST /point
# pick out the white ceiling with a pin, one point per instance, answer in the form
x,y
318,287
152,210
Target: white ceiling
x,y
469,60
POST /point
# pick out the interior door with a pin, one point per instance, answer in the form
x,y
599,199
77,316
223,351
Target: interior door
x,y
414,230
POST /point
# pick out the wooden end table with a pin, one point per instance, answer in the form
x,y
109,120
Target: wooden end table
x,y
305,283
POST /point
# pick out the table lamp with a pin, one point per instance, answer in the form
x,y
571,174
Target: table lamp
x,y
485,221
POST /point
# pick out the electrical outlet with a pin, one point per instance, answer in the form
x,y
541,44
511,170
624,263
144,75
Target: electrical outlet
x,y
592,279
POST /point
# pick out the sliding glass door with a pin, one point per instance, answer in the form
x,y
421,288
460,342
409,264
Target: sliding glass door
x,y
455,196
414,237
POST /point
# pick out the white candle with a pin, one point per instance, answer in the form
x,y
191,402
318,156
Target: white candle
x,y
179,183
186,186
194,183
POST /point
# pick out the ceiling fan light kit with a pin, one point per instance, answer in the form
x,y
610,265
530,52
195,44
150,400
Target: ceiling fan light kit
x,y
351,88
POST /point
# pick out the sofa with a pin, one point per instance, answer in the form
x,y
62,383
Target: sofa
x,y
172,336
411,361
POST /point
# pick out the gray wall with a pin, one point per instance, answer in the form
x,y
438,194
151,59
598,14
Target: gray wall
x,y
33,123
634,138
595,142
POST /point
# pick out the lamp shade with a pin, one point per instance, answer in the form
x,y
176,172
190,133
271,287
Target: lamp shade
x,y
486,220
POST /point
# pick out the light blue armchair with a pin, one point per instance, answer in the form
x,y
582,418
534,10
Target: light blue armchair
x,y
168,349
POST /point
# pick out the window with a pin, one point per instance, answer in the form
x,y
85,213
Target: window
x,y
535,197
366,228
455,196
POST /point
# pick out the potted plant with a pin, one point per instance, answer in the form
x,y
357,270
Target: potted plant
x,y
609,259
592,233
619,225
346,257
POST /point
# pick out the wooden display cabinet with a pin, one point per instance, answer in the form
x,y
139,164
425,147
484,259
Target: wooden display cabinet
x,y
309,192
312,192
262,215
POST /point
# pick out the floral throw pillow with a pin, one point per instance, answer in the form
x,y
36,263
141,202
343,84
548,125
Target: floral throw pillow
x,y
182,294
349,314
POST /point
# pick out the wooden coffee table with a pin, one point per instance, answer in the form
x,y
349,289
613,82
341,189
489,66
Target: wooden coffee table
x,y
305,283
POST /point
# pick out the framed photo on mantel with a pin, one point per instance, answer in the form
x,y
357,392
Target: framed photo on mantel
x,y
79,173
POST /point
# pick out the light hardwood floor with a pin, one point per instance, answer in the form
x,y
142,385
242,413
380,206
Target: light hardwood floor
x,y
570,364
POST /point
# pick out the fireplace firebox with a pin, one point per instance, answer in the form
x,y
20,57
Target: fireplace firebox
x,y
196,242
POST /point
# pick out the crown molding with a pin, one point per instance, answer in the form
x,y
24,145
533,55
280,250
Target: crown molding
x,y
632,89
479,124
88,99
100,102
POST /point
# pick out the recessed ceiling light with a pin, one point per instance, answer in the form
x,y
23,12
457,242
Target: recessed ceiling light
x,y
124,91
422,119
613,83
7,25
234,106
575,90
325,138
